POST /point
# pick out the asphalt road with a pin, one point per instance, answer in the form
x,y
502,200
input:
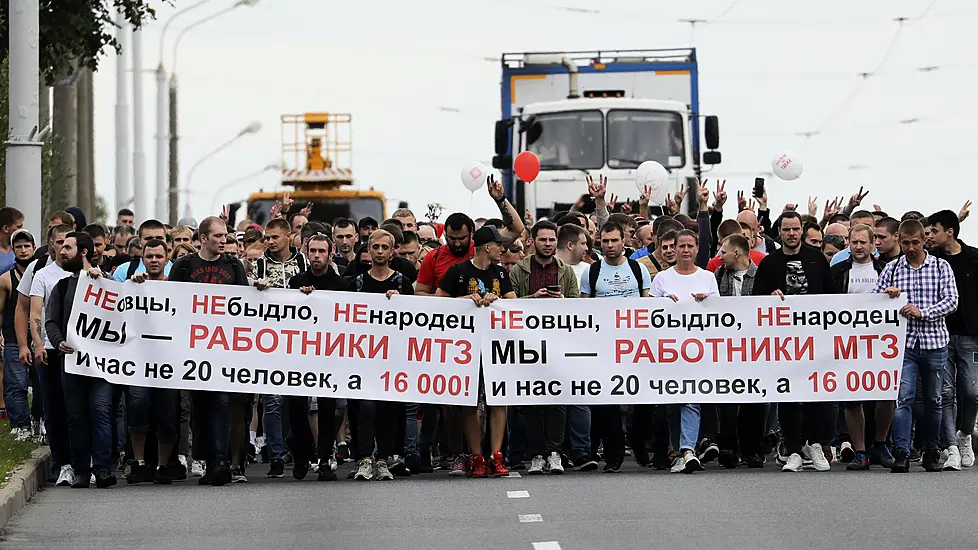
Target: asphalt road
x,y
637,508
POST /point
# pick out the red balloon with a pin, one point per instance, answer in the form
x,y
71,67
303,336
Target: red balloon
x,y
527,166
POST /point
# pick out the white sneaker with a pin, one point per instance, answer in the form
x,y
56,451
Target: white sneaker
x,y
680,464
817,456
333,465
953,462
554,465
22,434
966,450
537,465
944,455
365,470
66,477
182,460
382,472
197,468
793,464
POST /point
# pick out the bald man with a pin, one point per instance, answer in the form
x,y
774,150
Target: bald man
x,y
759,241
839,230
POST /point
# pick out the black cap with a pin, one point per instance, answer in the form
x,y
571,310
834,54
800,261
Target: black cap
x,y
488,234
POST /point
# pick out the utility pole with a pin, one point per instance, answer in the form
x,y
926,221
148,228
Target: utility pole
x,y
65,191
123,190
174,153
139,187
24,147
86,149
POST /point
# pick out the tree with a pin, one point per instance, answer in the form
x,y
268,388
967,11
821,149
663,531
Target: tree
x,y
76,29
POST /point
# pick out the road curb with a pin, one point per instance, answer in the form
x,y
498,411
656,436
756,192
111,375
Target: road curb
x,y
24,484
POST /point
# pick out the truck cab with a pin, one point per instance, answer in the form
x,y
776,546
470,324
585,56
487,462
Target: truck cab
x,y
590,113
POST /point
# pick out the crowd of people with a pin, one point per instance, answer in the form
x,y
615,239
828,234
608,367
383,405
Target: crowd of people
x,y
160,436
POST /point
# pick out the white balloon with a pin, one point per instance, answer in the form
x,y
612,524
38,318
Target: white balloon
x,y
656,176
474,176
787,165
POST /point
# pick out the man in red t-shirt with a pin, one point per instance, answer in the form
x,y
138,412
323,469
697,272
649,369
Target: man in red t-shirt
x,y
725,229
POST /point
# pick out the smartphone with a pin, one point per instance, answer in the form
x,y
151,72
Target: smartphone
x,y
758,187
553,288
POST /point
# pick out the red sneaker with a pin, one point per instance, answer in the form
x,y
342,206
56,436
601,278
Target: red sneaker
x,y
497,466
477,466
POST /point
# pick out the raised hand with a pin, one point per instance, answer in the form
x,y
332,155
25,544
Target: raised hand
x,y
813,206
495,188
276,210
857,199
306,210
720,195
599,188
287,201
965,211
741,201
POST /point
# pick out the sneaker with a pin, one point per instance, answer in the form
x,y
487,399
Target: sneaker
x,y
67,477
237,475
497,464
459,466
554,464
943,457
162,476
398,467
138,473
966,450
692,462
38,434
82,481
276,469
585,464
792,464
365,470
783,455
860,461
901,462
846,452
755,460
104,478
478,466
22,434
879,454
326,472
300,469
953,462
537,466
728,459
222,475
679,464
419,465
817,456
641,457
197,468
930,461
180,470
708,451
342,452
382,472
446,463
612,467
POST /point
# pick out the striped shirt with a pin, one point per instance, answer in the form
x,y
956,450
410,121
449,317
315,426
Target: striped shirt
x,y
930,287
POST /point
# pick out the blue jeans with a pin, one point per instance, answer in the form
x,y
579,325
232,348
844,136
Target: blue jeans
x,y
959,392
928,364
15,380
90,420
579,430
689,426
272,407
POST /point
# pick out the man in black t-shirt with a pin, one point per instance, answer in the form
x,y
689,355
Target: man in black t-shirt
x,y
319,276
212,410
377,420
483,281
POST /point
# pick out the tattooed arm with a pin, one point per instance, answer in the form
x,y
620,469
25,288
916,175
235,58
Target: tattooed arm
x,y
37,329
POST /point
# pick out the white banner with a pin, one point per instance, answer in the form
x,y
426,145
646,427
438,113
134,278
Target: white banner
x,y
281,342
722,350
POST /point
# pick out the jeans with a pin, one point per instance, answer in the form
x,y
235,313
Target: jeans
x,y
90,420
15,381
55,411
929,365
579,430
959,392
211,421
272,421
545,426
160,403
411,430
689,426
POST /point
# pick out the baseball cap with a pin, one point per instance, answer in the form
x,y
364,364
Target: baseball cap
x,y
488,234
21,234
189,222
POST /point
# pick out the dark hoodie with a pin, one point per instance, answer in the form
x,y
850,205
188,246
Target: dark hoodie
x,y
80,221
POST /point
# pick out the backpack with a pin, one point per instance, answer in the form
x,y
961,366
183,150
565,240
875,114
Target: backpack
x,y
595,271
397,279
133,266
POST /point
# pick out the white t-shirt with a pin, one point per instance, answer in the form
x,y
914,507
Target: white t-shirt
x,y
42,285
614,281
671,282
862,278
580,269
24,286
738,282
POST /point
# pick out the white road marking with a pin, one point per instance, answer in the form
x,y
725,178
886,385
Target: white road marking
x,y
531,518
548,545
517,494
514,474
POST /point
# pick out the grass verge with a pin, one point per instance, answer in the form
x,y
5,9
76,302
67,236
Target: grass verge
x,y
12,453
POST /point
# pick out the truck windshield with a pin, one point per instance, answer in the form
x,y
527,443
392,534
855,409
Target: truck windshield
x,y
324,210
572,140
637,136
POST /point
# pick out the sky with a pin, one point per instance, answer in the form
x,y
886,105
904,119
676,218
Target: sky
x,y
421,80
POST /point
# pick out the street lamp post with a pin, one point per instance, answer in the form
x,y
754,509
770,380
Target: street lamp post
x,y
174,191
252,128
268,168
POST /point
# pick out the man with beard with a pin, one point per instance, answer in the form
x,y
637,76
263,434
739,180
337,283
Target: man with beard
x,y
212,410
543,275
15,375
376,421
319,276
160,403
483,281
88,399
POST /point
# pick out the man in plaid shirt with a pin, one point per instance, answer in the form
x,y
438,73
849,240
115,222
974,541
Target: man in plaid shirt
x,y
932,294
